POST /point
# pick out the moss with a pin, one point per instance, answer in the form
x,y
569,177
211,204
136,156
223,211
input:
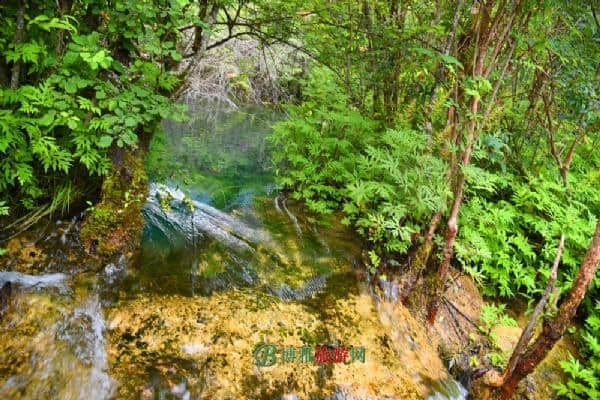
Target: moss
x,y
114,225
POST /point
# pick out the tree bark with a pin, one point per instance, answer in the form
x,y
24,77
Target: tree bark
x,y
526,335
439,73
452,223
555,327
64,9
16,69
486,30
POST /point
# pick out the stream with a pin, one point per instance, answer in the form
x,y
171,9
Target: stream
x,y
227,264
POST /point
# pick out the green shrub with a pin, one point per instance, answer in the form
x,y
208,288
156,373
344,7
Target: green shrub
x,y
334,158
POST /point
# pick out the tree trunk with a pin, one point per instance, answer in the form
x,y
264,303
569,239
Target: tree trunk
x,y
452,223
486,30
528,332
555,327
64,9
16,69
420,261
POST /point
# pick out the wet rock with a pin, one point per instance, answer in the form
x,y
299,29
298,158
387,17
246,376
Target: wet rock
x,y
456,333
312,287
46,248
190,219
5,294
114,225
38,281
220,351
115,271
53,350
194,348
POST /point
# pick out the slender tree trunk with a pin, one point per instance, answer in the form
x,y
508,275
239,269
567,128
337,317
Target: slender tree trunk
x,y
486,29
16,69
452,223
555,327
439,73
64,9
528,332
512,375
424,251
4,79
421,258
349,51
198,36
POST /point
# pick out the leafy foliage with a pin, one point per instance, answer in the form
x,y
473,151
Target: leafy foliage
x,y
384,180
396,71
78,92
510,235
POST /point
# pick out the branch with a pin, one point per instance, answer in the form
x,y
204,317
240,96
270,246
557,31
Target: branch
x,y
595,19
528,332
226,39
185,28
499,82
452,36
567,161
553,149
499,45
466,317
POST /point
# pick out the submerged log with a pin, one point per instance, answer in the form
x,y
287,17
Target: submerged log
x,y
172,213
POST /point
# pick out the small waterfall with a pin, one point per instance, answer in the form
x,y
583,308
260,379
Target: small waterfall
x,y
84,330
449,390
65,350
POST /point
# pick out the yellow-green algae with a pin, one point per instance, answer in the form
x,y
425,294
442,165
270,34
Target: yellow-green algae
x,y
223,329
207,342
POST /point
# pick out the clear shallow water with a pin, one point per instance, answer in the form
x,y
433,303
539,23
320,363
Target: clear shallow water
x,y
226,262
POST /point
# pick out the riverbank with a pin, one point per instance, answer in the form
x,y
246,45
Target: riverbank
x,y
225,263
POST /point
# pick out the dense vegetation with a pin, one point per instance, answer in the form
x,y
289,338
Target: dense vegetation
x,y
464,132
424,104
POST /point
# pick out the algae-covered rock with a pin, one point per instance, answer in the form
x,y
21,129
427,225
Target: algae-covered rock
x,y
114,225
52,347
5,293
204,346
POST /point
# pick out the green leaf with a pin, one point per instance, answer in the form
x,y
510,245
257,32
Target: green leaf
x,y
130,122
175,55
450,60
48,118
104,141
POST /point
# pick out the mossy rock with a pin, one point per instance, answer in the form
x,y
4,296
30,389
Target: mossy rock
x,y
114,225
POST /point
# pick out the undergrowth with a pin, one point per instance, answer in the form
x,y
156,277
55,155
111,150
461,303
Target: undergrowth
x,y
389,184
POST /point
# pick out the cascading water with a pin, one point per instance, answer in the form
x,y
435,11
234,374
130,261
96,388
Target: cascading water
x,y
65,356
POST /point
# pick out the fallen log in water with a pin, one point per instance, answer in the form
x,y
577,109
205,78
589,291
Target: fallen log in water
x,y
172,213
